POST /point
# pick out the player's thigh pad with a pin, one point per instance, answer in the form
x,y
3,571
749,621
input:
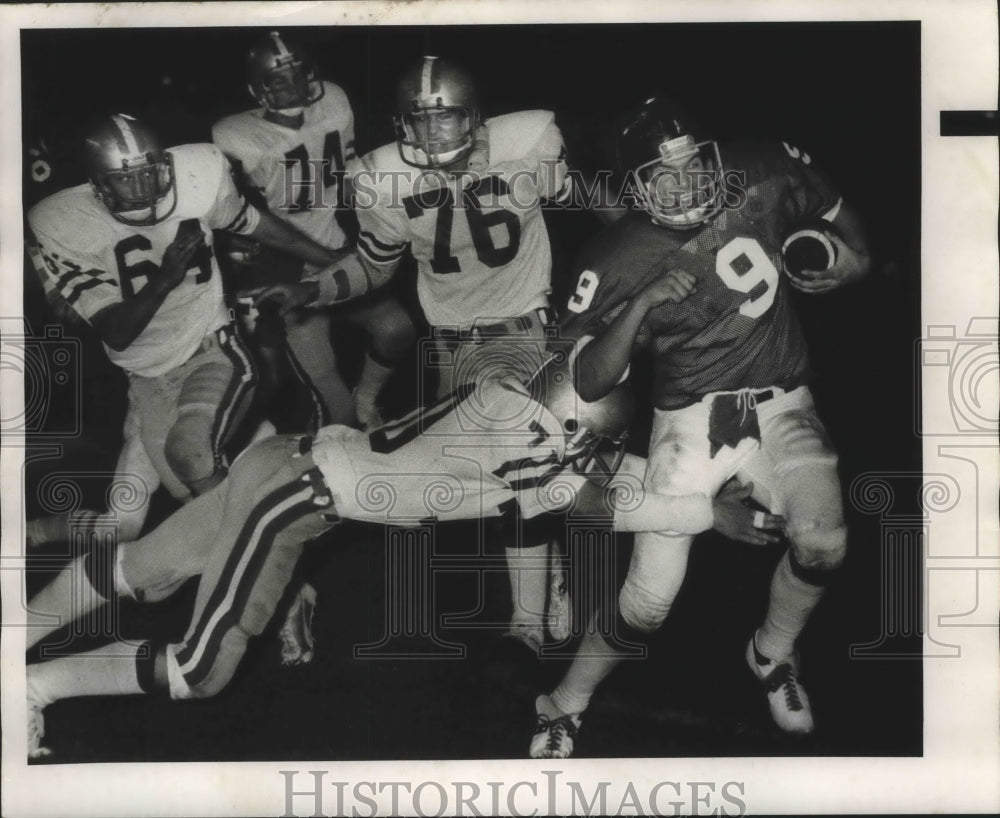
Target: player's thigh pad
x,y
681,460
214,394
154,403
806,486
136,478
274,504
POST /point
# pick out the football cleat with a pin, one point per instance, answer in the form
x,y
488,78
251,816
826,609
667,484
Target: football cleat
x,y
36,725
296,634
559,610
554,737
785,695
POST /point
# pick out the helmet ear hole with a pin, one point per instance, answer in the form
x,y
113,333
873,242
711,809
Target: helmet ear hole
x,y
571,426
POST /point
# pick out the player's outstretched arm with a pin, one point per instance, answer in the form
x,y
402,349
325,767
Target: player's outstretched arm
x,y
343,280
275,232
602,362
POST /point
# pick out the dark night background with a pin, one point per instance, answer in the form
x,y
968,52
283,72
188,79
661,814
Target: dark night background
x,y
847,93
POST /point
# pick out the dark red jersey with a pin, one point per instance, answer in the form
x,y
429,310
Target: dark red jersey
x,y
739,329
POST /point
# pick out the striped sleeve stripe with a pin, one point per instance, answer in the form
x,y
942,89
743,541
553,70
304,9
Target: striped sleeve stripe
x,y
378,249
74,292
523,465
246,220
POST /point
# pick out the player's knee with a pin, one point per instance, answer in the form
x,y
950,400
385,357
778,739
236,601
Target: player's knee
x,y
188,448
817,547
639,611
391,335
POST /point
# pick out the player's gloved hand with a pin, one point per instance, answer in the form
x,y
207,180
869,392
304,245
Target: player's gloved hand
x,y
738,522
849,267
179,254
673,286
283,298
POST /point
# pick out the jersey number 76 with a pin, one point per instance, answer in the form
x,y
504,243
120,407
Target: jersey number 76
x,y
480,224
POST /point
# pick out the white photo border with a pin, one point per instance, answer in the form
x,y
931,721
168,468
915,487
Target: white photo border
x,y
960,768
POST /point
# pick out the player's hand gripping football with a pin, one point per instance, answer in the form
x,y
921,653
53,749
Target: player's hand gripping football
x,y
739,522
179,254
848,266
673,286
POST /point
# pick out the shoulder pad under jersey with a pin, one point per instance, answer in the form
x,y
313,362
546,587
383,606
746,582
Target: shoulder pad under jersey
x,y
518,135
199,170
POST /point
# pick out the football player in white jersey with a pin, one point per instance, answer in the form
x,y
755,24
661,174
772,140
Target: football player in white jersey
x,y
294,149
131,253
536,444
464,196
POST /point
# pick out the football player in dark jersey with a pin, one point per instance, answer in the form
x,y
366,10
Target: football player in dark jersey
x,y
730,379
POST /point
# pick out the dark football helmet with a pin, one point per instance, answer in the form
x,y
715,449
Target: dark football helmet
x,y
595,432
437,114
281,76
676,174
130,171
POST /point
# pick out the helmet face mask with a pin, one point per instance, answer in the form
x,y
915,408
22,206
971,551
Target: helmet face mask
x,y
281,78
437,114
129,171
677,178
596,457
594,432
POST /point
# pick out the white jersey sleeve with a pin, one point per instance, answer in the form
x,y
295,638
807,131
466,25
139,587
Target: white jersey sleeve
x,y
209,174
74,268
384,227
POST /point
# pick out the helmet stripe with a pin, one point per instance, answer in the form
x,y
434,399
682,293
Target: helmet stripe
x,y
126,137
427,76
279,44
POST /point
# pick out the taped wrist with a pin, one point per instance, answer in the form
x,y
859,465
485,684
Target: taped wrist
x,y
341,281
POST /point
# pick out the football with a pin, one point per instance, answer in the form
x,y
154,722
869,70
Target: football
x,y
809,248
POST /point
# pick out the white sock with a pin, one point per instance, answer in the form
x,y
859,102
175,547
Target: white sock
x,y
528,572
67,597
107,671
374,376
792,601
593,663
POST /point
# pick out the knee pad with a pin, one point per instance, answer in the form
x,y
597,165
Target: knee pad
x,y
639,611
188,447
817,550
